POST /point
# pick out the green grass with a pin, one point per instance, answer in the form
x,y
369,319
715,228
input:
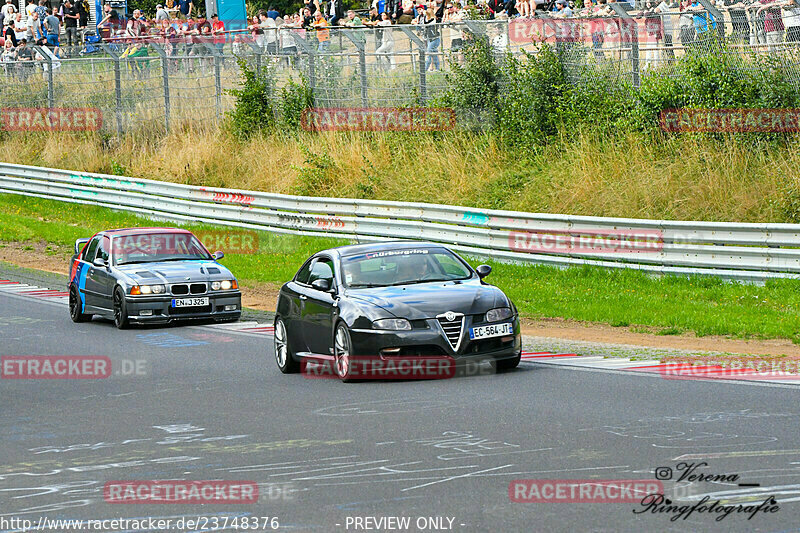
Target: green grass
x,y
625,298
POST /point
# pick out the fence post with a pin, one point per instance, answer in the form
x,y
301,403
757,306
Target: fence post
x,y
629,25
51,99
362,63
717,14
165,76
117,84
303,45
423,82
217,77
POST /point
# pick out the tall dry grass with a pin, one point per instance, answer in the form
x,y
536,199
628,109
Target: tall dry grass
x,y
638,176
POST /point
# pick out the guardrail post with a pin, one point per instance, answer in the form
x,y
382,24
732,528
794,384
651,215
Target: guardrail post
x,y
165,76
423,82
117,85
630,24
362,63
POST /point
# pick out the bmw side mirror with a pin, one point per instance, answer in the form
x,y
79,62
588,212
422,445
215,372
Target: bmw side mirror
x,y
99,262
218,255
483,271
323,285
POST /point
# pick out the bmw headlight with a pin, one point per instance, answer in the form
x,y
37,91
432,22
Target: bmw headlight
x,y
151,289
500,313
392,324
224,285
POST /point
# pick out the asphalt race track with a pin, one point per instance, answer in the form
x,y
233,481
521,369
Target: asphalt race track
x,y
205,403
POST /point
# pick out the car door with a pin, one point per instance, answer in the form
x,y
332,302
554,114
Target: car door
x,y
295,293
319,310
88,286
101,278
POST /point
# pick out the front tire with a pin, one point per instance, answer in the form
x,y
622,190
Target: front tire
x,y
504,365
120,313
342,352
283,353
75,307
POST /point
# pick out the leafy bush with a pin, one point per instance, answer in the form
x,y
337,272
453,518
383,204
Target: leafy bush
x,y
295,97
253,111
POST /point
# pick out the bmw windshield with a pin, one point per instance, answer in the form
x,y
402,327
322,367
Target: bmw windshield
x,y
152,247
403,267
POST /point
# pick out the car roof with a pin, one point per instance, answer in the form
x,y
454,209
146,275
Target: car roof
x,y
122,232
356,249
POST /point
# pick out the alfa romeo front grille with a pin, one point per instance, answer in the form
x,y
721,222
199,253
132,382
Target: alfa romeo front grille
x,y
452,329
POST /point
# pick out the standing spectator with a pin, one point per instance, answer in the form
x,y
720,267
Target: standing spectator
x,y
30,7
308,19
311,5
218,29
288,44
52,26
137,25
757,19
25,60
791,19
686,24
8,57
740,26
161,13
386,50
323,34
270,32
9,11
83,13
773,24
433,38
185,8
336,11
664,9
273,13
71,23
34,33
20,28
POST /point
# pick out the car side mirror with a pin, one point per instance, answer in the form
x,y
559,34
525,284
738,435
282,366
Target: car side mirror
x,y
79,244
99,262
483,271
218,255
322,284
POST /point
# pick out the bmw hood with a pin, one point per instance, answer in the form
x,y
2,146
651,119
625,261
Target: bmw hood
x,y
175,271
427,300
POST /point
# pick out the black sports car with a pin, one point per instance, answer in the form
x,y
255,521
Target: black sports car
x,y
393,299
150,275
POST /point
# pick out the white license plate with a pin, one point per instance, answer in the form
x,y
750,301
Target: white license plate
x,y
495,330
189,302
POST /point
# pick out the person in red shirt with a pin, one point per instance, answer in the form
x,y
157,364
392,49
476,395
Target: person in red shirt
x,y
218,29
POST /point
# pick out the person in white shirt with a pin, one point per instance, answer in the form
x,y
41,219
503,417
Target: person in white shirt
x,y
9,10
791,20
385,51
270,30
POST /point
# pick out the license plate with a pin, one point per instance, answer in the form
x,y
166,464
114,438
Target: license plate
x,y
495,330
189,302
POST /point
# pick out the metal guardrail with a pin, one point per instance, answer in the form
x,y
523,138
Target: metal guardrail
x,y
751,252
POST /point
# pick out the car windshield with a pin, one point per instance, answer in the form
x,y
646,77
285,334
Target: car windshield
x,y
402,267
152,247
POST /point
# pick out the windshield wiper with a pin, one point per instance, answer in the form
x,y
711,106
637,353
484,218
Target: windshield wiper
x,y
366,285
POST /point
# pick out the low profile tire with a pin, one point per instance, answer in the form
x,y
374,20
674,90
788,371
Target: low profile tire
x,y
342,351
504,365
120,313
75,307
283,354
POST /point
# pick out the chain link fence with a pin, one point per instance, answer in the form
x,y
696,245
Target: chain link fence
x,y
156,83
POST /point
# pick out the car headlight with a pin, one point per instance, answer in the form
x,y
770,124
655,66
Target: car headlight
x,y
392,323
500,313
224,285
148,289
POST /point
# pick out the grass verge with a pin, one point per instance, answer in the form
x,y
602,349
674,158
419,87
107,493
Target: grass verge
x,y
625,298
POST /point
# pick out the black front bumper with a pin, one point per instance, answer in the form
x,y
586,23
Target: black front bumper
x,y
162,310
431,341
